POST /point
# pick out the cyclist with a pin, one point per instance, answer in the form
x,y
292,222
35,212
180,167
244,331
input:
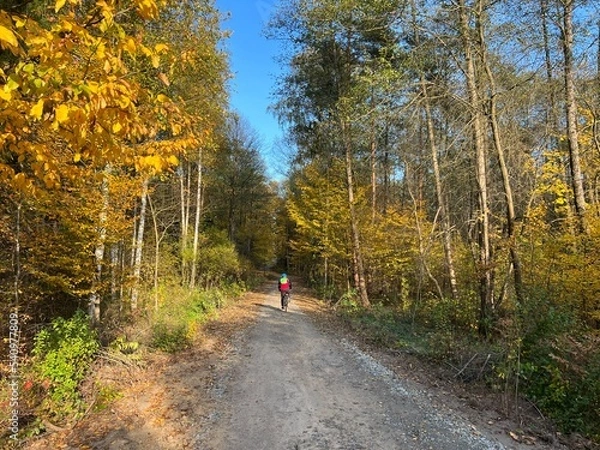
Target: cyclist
x,y
285,286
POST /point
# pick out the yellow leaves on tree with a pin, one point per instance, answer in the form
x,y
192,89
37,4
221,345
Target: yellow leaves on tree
x,y
147,8
70,102
320,213
154,163
7,37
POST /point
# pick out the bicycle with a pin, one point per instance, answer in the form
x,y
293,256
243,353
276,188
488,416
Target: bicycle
x,y
285,300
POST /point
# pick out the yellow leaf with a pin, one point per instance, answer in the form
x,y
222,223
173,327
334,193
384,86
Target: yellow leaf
x,y
77,157
59,4
67,26
19,22
162,98
50,180
37,110
117,127
159,48
7,35
130,46
150,162
155,61
20,181
124,101
101,51
146,51
62,113
11,85
90,88
5,95
147,9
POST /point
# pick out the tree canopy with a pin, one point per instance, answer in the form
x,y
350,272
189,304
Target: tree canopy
x,y
445,164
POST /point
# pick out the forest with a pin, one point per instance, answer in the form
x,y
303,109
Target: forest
x,y
133,201
445,179
443,191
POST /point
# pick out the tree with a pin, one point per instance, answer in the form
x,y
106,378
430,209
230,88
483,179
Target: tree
x,y
239,198
497,139
572,115
431,136
325,88
82,98
196,75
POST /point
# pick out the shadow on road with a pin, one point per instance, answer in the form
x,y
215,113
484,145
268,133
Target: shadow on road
x,y
271,307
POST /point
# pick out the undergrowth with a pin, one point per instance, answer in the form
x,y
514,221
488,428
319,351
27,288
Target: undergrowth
x,y
183,311
538,350
65,350
62,355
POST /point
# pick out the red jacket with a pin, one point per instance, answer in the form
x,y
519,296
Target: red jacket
x,y
284,284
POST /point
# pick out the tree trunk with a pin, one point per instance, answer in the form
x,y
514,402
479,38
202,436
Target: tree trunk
x,y
571,106
373,157
185,179
359,270
197,221
114,272
95,299
183,219
157,239
551,116
137,267
508,195
386,176
485,275
444,218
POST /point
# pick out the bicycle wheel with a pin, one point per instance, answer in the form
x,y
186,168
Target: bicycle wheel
x,y
286,301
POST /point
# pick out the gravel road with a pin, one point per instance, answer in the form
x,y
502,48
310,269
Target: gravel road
x,y
288,385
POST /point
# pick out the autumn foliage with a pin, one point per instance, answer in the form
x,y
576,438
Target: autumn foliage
x,y
105,107
437,186
442,184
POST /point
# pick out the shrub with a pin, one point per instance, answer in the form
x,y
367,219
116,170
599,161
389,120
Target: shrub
x,y
565,383
170,339
559,363
62,354
182,311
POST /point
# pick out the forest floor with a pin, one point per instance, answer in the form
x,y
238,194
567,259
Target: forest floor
x,y
261,378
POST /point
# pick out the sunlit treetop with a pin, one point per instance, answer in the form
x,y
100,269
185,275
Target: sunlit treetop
x,y
69,100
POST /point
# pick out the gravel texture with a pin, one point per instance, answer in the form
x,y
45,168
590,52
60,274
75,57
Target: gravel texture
x,y
260,378
289,385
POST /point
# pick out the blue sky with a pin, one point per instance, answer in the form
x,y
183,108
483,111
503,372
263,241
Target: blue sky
x,y
252,59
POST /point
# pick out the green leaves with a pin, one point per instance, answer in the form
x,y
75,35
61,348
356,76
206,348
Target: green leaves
x,y
63,353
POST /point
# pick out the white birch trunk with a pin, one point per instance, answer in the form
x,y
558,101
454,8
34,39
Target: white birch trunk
x,y
197,220
95,299
137,267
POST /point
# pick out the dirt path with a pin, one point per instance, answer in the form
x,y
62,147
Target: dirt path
x,y
260,378
291,386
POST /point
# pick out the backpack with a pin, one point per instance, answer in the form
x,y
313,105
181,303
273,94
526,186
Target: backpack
x,y
284,284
